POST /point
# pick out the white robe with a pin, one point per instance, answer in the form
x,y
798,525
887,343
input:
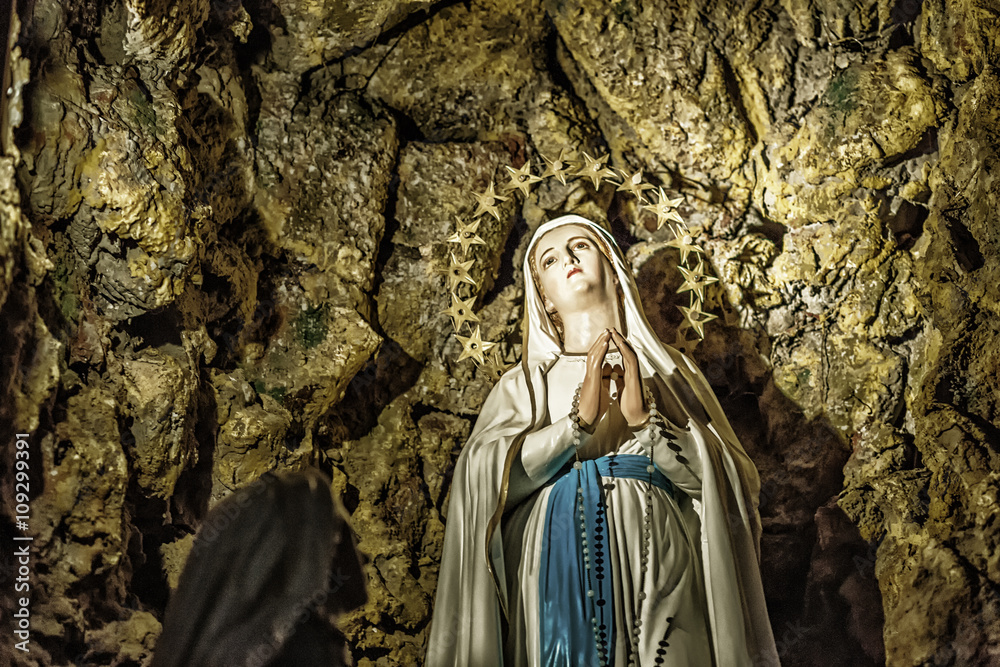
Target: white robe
x,y
713,534
672,585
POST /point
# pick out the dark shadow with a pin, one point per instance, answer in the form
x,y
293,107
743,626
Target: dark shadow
x,y
908,224
190,500
391,373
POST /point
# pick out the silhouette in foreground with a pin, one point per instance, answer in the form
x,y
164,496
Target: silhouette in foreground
x,y
271,567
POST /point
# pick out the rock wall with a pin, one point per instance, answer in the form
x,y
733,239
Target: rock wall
x,y
222,251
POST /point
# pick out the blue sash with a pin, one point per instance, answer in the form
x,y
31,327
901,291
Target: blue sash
x,y
570,622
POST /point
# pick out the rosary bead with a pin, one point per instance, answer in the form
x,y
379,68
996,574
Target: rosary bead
x,y
599,636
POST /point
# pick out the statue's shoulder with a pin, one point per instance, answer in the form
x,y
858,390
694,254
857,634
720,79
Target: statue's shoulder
x,y
514,373
516,384
511,380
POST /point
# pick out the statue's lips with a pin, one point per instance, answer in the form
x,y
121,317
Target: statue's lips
x,y
573,272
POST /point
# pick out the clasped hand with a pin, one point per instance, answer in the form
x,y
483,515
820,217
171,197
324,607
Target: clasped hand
x,y
594,394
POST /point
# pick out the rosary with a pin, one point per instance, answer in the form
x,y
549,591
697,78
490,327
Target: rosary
x,y
597,572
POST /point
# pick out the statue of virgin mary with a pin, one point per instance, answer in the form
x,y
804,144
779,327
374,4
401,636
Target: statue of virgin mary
x,y
603,511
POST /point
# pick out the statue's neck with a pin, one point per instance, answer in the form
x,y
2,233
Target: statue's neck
x,y
581,328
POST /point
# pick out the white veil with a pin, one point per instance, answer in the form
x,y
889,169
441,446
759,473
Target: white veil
x,y
467,623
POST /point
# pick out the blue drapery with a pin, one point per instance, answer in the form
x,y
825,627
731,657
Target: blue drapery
x,y
566,615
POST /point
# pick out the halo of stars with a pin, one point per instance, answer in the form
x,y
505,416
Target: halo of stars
x,y
463,287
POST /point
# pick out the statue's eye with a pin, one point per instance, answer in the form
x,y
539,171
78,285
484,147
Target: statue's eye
x,y
581,244
548,260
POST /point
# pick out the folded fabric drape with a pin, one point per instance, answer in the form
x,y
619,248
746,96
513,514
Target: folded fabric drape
x,y
574,622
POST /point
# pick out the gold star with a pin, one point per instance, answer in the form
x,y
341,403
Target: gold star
x,y
634,184
495,366
680,340
695,280
521,179
685,244
595,170
458,272
556,168
697,275
697,318
664,208
692,283
461,311
487,202
466,235
700,270
474,346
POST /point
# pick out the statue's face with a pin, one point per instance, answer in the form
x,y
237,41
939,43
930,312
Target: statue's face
x,y
572,271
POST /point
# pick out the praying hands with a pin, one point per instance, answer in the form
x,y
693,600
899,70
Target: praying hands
x,y
595,396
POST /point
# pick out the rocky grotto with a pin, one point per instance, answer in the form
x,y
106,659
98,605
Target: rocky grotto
x,y
222,251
